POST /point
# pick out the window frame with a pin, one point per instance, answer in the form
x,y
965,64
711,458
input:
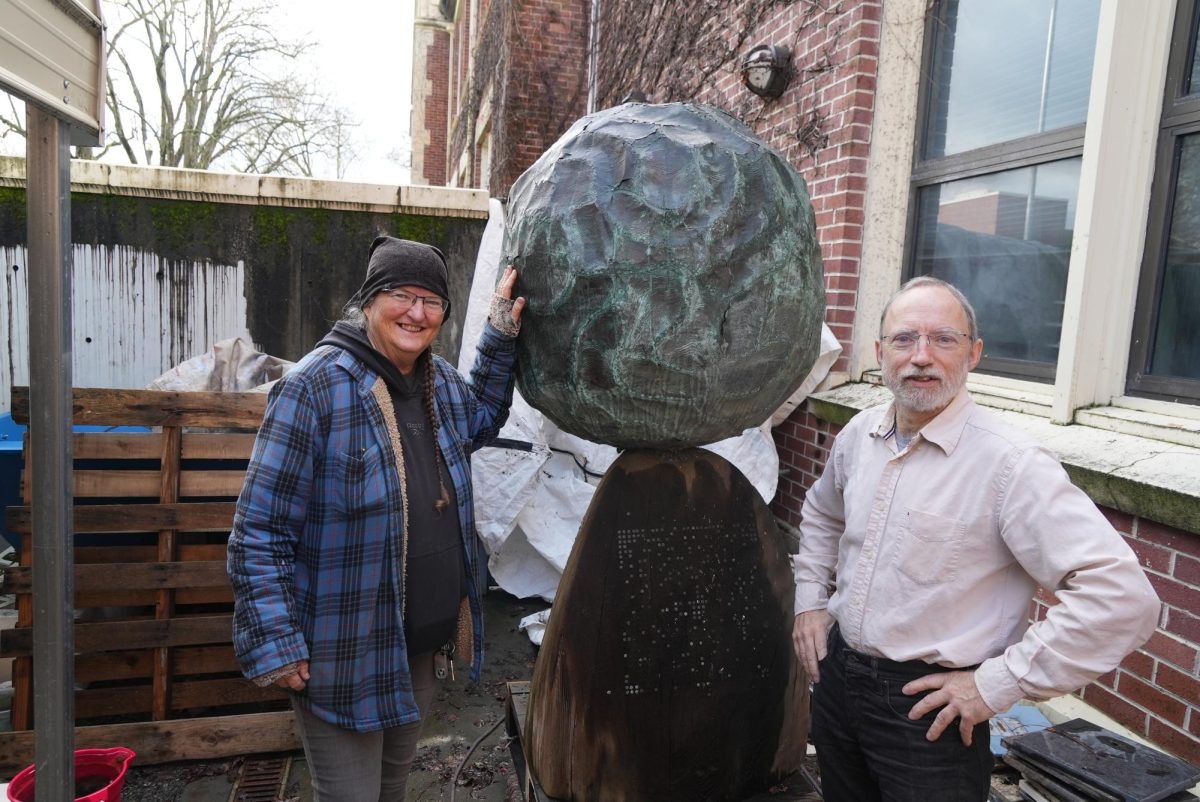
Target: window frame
x,y
1180,118
1027,151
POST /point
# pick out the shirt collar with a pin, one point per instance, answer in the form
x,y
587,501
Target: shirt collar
x,y
944,431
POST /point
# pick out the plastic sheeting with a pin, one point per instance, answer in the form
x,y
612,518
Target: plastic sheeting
x,y
232,365
529,503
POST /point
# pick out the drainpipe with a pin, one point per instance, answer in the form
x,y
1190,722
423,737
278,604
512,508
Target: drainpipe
x,y
593,54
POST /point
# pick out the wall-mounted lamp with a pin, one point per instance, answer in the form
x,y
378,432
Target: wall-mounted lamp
x,y
767,69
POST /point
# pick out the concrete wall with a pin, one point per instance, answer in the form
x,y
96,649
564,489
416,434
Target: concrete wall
x,y
167,262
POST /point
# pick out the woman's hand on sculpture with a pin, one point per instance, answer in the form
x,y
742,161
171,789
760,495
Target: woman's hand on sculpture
x,y
505,313
505,290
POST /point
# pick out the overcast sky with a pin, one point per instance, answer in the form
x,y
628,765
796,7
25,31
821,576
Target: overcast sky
x,y
362,58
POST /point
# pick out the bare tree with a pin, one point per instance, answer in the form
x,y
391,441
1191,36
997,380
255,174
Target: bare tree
x,y
345,145
12,118
209,84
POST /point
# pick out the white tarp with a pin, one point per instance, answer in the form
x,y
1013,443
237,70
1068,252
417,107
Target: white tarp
x,y
232,365
529,503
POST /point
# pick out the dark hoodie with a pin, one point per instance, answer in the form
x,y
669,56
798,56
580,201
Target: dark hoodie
x,y
435,548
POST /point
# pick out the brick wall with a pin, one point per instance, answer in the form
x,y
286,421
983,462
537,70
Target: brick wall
x,y
545,85
807,440
1156,690
822,124
528,66
437,71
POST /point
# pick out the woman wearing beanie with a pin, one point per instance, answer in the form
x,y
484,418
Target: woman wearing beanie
x,y
349,555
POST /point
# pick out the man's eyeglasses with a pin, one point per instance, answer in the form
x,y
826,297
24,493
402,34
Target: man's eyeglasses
x,y
942,339
434,306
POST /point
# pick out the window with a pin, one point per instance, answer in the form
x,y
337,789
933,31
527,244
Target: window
x,y
997,168
1165,355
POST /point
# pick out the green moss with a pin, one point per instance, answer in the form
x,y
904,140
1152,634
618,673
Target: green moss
x,y
418,228
830,412
271,226
177,224
14,216
318,222
1159,504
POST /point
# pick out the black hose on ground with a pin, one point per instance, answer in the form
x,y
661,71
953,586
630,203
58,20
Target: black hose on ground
x,y
467,756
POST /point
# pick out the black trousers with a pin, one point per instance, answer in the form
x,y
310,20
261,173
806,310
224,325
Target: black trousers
x,y
868,749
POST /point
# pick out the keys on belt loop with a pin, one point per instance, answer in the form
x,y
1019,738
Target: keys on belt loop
x,y
443,662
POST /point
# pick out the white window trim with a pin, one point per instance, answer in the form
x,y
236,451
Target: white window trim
x,y
889,168
1132,46
1117,170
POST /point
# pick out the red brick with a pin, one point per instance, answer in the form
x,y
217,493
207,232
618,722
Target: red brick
x,y
1174,593
841,281
1155,558
1172,650
1139,663
846,299
1170,537
1187,569
1185,686
1105,700
1175,741
1183,624
1160,704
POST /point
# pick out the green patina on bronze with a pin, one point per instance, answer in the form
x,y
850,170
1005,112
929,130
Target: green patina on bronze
x,y
673,277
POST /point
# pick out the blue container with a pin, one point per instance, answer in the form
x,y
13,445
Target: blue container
x,y
12,439
12,436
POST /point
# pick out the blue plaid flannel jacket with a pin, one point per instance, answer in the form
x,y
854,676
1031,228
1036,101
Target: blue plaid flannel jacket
x,y
314,552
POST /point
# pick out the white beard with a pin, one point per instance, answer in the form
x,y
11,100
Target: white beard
x,y
925,400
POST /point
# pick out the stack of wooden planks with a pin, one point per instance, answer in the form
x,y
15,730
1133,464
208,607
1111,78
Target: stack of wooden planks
x,y
154,665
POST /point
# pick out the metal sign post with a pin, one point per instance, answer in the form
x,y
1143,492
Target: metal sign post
x,y
48,182
52,56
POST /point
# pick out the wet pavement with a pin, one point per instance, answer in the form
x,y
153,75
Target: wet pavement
x,y
463,714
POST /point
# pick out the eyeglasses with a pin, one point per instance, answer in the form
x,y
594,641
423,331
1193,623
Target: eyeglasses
x,y
434,306
942,339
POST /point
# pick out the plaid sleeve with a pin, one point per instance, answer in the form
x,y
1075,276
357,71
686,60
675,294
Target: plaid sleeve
x,y
491,384
266,526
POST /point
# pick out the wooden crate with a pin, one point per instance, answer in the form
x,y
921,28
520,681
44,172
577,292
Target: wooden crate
x,y
154,662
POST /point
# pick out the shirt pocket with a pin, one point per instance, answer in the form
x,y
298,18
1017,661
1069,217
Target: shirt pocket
x,y
931,548
358,482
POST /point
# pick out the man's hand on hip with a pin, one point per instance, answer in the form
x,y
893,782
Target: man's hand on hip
x,y
810,637
958,696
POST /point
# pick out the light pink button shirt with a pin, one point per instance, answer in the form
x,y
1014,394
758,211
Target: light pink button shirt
x,y
933,554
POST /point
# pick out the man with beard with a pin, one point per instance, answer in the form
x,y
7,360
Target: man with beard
x,y
920,548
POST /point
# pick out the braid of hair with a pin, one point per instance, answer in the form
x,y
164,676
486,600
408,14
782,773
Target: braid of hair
x,y
444,501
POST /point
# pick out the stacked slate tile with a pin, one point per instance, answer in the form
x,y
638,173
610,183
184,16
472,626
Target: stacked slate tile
x,y
1078,761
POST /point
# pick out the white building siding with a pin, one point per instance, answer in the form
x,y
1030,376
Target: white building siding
x,y
136,315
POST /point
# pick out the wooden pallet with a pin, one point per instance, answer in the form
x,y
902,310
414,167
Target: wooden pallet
x,y
794,789
154,661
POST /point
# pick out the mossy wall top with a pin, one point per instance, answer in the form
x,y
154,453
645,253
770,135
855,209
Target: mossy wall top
x,y
301,263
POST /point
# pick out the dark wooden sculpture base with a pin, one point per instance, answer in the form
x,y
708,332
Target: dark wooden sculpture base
x,y
666,672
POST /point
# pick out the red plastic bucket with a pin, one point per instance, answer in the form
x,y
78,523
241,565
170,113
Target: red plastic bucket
x,y
99,776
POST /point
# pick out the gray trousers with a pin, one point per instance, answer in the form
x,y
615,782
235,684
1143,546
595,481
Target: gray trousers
x,y
348,766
